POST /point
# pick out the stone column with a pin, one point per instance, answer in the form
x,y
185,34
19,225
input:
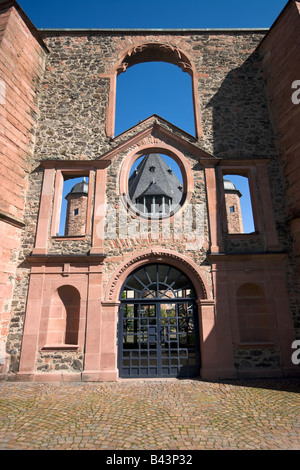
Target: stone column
x,y
32,326
44,213
286,332
216,242
208,340
91,370
99,212
223,322
108,361
267,208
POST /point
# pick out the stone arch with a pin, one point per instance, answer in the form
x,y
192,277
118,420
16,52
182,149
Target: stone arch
x,y
152,52
158,255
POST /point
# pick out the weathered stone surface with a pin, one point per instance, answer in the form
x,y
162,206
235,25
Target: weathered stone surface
x,y
21,65
69,122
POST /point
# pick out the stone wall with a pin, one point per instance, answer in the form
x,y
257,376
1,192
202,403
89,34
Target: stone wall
x,y
54,361
229,83
72,119
281,68
257,359
234,215
22,59
76,215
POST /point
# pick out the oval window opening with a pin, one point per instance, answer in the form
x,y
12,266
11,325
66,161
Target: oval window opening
x,y
155,185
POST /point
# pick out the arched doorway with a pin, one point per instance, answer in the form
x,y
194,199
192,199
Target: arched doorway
x,y
158,333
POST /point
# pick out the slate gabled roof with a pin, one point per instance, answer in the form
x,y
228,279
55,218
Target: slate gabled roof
x,y
153,174
153,190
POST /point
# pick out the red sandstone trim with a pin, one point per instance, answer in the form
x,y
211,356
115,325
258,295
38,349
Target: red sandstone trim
x,y
184,165
216,239
136,53
11,220
248,169
74,166
99,212
162,133
159,255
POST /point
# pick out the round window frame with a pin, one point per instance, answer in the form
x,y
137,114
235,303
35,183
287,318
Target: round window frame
x,y
184,166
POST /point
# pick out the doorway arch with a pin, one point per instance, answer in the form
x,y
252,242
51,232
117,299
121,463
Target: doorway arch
x,y
158,331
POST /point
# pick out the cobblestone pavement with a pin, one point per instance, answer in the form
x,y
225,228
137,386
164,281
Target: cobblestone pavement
x,y
150,415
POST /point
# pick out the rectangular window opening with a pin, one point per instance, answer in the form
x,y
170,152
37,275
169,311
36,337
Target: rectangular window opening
x,y
238,204
74,203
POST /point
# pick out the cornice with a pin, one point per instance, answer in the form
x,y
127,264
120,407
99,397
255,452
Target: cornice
x,y
160,132
75,164
12,220
219,257
66,258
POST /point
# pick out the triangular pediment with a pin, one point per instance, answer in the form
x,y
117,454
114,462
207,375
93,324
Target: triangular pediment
x,y
156,130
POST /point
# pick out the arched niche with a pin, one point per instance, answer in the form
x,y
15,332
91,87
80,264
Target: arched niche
x,y
64,314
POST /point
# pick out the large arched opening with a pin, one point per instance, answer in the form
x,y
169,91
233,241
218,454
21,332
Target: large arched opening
x,y
158,330
152,52
154,88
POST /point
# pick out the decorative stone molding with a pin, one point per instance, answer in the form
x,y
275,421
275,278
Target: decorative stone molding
x,y
166,52
154,255
150,140
151,52
12,220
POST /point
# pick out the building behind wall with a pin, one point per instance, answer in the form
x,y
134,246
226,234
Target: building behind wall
x,y
121,293
233,208
75,223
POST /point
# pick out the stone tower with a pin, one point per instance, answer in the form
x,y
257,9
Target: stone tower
x,y
76,209
233,208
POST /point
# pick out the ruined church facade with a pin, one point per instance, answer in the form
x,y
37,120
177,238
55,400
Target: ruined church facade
x,y
165,283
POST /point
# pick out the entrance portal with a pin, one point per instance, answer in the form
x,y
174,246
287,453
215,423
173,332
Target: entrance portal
x,y
158,333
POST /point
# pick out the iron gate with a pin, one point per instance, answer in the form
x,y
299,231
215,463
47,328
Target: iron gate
x,y
158,329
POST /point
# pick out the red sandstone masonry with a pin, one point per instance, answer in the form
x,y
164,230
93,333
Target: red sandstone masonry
x,y
98,279
21,67
282,59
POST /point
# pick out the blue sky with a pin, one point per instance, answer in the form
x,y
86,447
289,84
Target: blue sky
x,y
173,103
152,14
154,88
139,81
